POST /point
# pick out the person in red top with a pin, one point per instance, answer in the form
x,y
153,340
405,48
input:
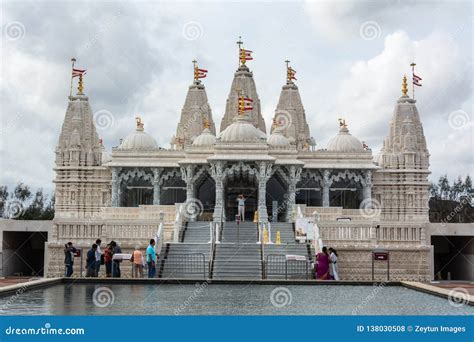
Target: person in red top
x,y
108,260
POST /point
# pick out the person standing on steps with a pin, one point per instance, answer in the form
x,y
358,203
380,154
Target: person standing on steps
x,y
241,207
151,259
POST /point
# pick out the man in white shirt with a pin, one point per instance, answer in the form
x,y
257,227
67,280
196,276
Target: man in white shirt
x,y
241,207
98,255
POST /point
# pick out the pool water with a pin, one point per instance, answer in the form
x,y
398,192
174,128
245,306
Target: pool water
x,y
207,299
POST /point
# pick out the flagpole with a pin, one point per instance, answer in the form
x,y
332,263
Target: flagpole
x,y
412,79
239,43
73,60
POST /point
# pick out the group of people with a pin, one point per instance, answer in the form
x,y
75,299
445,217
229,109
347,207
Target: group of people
x,y
326,264
96,257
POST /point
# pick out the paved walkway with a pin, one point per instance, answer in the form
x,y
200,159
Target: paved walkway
x,y
469,286
16,280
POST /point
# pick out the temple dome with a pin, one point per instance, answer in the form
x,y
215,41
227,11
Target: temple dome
x,y
242,130
277,139
205,139
138,140
345,142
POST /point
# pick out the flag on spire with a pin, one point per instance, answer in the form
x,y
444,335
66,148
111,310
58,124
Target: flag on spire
x,y
245,55
290,74
78,72
416,80
199,73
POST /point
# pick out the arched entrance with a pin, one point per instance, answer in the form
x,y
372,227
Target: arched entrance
x,y
277,198
205,189
243,184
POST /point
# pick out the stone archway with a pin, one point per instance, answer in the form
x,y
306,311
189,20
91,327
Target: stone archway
x,y
236,185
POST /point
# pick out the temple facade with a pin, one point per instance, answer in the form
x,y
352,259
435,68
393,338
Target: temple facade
x,y
361,202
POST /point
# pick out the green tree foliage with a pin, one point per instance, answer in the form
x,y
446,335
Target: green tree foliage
x,y
21,205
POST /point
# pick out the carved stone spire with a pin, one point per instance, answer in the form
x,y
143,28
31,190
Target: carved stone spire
x,y
243,82
196,110
402,185
291,115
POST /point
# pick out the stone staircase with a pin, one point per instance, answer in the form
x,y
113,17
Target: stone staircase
x,y
246,232
238,256
237,261
287,235
197,232
184,260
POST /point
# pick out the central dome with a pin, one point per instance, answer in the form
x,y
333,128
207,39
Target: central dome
x,y
138,140
345,142
241,130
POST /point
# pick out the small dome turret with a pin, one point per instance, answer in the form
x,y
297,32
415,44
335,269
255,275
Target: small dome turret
x,y
138,140
344,141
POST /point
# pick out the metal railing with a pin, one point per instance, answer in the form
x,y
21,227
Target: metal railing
x,y
278,265
186,264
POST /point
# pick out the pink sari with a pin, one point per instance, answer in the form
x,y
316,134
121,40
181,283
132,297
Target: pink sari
x,y
322,268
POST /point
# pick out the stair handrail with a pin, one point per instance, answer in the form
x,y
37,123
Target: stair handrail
x,y
212,248
159,238
262,251
179,222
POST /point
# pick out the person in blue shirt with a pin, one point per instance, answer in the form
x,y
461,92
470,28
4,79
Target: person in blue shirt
x,y
91,262
151,259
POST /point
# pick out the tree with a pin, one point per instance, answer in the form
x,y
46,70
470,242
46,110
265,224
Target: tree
x,y
48,212
457,188
3,198
22,192
467,186
434,190
36,207
443,185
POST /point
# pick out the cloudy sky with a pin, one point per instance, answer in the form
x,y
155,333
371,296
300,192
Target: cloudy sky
x,y
350,57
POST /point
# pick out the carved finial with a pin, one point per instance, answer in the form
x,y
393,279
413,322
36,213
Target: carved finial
x,y
244,55
140,124
404,86
206,123
342,122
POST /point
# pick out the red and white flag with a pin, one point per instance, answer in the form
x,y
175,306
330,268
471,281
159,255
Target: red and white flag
x,y
78,72
200,73
245,55
416,80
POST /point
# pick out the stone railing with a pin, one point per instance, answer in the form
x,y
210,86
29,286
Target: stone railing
x,y
179,222
346,233
410,235
335,213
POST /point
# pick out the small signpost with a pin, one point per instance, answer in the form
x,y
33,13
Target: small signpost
x,y
78,254
380,255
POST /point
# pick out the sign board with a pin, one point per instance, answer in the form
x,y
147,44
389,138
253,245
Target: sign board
x,y
77,253
380,255
121,256
237,218
295,257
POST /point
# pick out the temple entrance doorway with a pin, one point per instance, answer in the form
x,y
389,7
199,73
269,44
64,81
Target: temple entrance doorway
x,y
235,187
206,194
277,199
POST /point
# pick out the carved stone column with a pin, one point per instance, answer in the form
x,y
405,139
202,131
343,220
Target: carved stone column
x,y
187,173
157,185
263,175
295,176
115,187
367,185
326,183
217,173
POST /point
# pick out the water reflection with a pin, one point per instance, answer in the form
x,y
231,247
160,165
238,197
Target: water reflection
x,y
204,299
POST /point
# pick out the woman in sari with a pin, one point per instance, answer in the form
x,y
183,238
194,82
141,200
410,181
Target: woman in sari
x,y
322,262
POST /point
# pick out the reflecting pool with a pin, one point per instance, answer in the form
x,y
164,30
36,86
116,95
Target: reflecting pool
x,y
210,299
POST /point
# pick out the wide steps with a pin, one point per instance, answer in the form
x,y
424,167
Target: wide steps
x,y
197,232
237,261
184,260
